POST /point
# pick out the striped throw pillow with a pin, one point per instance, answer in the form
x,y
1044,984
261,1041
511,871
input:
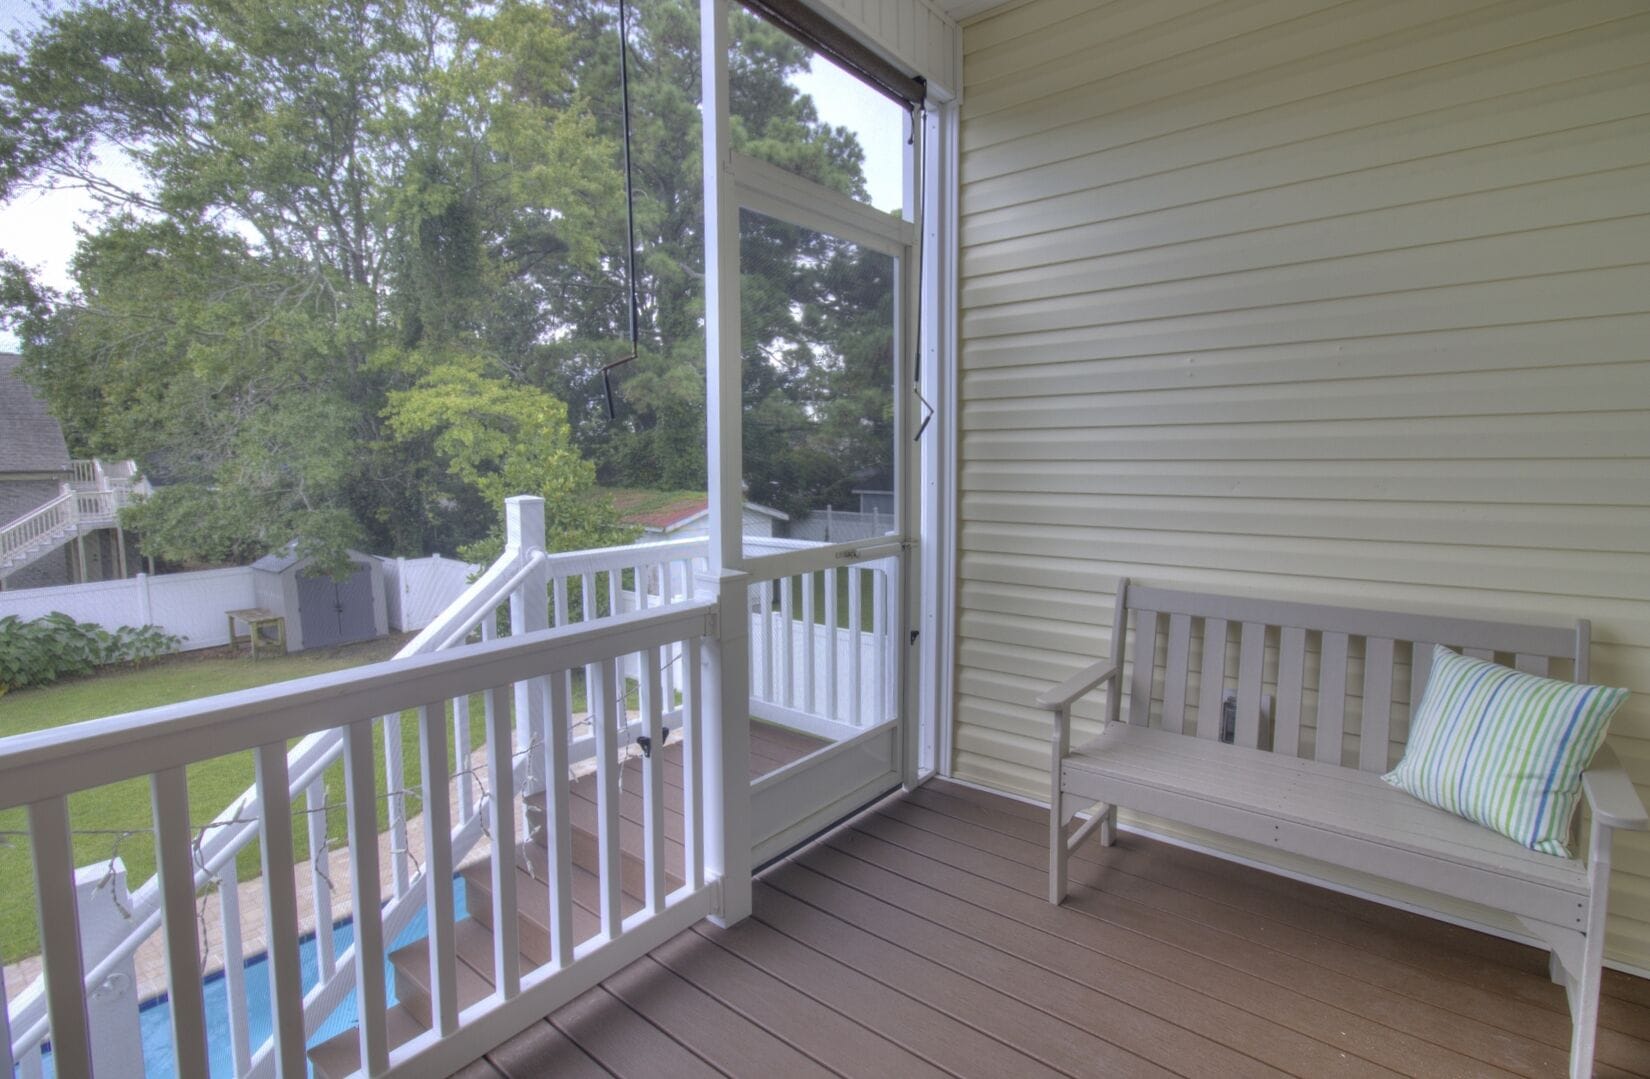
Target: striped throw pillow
x,y
1504,748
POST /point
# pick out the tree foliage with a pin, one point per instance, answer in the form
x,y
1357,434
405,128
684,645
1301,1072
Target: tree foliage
x,y
361,282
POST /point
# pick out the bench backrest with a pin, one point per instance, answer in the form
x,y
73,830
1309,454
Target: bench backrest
x,y
1304,652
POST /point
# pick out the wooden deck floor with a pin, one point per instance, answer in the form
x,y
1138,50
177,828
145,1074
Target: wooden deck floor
x,y
915,940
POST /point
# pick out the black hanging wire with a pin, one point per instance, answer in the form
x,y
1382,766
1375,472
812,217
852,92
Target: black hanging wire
x,y
630,213
919,119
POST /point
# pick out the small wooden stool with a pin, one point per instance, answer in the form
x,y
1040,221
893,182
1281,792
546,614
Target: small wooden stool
x,y
256,618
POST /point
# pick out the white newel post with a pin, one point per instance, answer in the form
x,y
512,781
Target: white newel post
x,y
529,611
111,1008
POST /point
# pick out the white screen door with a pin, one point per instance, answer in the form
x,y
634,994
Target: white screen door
x,y
825,287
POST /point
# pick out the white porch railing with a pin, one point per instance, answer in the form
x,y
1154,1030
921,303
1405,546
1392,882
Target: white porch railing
x,y
528,677
815,667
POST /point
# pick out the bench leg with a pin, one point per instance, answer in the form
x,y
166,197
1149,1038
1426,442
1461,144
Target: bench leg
x,y
1108,827
1585,982
1058,855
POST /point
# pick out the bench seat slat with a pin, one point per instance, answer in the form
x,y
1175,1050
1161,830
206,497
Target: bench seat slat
x,y
1354,806
1266,789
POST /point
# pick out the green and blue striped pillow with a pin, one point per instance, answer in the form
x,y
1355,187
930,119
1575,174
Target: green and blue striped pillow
x,y
1504,748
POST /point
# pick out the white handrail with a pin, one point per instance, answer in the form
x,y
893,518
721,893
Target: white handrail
x,y
236,827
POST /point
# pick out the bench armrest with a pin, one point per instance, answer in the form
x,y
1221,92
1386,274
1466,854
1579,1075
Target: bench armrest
x,y
1078,684
1610,793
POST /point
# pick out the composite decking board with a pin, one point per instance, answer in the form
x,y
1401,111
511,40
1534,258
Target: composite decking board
x,y
623,1042
982,1005
1201,1028
1332,916
1445,937
801,1021
1122,1024
925,1031
917,938
1463,955
479,1069
720,1036
1296,960
542,1050
1198,959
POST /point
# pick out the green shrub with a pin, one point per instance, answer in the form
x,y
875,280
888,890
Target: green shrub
x,y
55,646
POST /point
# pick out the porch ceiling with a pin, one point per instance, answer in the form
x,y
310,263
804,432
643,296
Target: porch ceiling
x,y
916,939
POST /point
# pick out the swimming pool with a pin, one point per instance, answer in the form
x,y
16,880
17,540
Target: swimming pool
x,y
155,1016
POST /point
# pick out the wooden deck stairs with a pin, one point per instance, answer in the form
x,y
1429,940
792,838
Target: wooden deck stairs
x,y
771,747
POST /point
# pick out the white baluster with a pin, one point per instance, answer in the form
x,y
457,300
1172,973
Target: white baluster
x,y
764,639
286,991
810,699
60,935
653,780
693,768
175,866
438,869
502,821
461,758
315,801
7,1062
879,642
234,970
394,783
609,691
831,709
855,644
558,825
788,636
360,802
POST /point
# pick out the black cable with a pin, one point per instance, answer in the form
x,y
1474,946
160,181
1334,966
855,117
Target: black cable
x,y
630,212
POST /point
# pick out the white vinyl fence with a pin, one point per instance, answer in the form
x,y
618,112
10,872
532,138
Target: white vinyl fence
x,y
188,605
839,526
419,589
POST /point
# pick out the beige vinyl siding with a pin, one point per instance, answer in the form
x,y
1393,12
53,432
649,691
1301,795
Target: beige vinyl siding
x,y
1325,301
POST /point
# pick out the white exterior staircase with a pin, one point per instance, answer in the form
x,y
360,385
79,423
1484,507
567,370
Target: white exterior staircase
x,y
89,501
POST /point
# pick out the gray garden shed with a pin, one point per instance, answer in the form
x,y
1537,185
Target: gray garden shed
x,y
320,610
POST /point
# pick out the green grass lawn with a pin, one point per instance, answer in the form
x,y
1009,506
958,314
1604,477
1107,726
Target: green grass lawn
x,y
212,784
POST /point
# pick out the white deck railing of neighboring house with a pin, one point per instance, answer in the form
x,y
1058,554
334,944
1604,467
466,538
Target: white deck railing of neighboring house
x,y
93,499
624,614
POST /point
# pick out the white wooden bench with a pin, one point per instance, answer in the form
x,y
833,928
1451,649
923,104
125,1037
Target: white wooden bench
x,y
1306,779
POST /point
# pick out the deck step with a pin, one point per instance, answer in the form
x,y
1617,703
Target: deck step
x,y
341,1056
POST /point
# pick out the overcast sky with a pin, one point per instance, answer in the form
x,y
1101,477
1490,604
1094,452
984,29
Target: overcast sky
x,y
38,227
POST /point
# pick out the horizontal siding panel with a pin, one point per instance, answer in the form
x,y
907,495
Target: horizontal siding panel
x,y
1343,303
1503,393
1541,483
1571,342
1601,528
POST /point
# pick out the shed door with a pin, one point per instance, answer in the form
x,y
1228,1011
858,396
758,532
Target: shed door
x,y
335,612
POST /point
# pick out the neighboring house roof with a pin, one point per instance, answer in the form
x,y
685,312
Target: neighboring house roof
x,y
667,511
30,440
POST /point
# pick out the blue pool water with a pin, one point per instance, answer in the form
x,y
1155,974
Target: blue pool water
x,y
155,1016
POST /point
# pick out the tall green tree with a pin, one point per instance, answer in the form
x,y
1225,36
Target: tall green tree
x,y
374,262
